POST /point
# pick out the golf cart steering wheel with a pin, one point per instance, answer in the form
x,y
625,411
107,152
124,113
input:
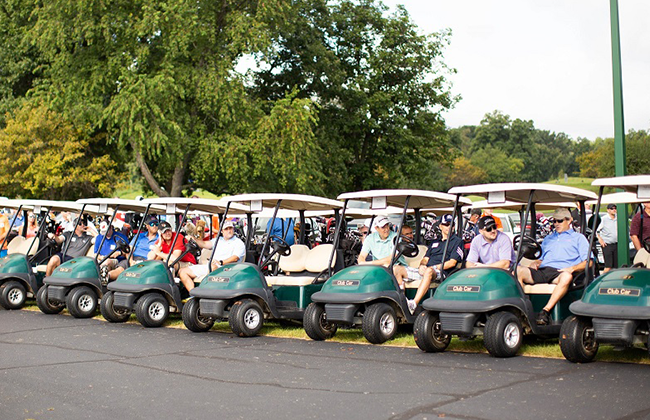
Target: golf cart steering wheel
x,y
646,244
122,245
280,246
532,250
407,247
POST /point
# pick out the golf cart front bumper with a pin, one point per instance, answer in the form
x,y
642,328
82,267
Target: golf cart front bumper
x,y
615,331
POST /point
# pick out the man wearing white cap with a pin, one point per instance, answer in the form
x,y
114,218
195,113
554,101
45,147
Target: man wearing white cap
x,y
379,244
564,252
230,249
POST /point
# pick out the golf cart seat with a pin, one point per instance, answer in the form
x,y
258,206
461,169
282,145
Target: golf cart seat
x,y
415,261
547,289
205,256
314,262
295,262
642,257
20,245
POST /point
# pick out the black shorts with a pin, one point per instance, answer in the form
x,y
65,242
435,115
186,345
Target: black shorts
x,y
610,254
66,259
544,275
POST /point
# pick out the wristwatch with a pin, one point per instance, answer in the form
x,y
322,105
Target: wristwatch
x,y
220,262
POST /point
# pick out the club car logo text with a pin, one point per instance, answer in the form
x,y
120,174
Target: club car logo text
x,y
345,283
132,275
464,289
619,291
216,279
65,270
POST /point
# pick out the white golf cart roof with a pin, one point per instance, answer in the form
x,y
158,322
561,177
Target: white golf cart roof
x,y
258,201
179,204
14,204
418,199
639,184
519,192
53,205
620,198
484,204
109,204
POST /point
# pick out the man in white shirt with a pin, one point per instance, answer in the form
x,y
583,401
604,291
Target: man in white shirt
x,y
230,249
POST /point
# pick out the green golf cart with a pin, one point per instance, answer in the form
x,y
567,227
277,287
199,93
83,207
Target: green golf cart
x,y
491,302
615,308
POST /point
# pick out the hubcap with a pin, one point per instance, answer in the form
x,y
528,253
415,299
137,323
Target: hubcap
x,y
251,319
436,331
511,335
588,341
86,303
15,296
156,311
386,324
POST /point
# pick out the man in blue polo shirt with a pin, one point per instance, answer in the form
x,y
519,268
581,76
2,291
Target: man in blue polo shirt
x,y
492,248
379,244
145,240
117,263
564,252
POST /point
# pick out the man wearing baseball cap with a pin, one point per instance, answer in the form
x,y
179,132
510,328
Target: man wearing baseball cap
x,y
113,266
430,265
492,248
564,252
230,249
163,247
379,245
145,240
607,234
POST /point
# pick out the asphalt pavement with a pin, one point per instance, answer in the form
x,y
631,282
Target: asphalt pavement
x,y
58,367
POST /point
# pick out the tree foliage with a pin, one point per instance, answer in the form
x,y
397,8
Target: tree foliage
x,y
600,163
44,156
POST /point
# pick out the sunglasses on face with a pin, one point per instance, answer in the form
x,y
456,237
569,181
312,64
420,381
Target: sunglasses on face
x,y
364,233
153,224
566,219
490,229
613,208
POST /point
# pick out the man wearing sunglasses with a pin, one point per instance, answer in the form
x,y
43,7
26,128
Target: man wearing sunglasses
x,y
146,240
564,252
492,248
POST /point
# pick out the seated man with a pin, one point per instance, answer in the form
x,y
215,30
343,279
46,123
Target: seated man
x,y
113,266
230,249
564,252
145,241
379,245
163,247
80,242
430,265
492,248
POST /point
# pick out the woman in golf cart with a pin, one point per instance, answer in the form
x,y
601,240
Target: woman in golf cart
x,y
230,249
162,247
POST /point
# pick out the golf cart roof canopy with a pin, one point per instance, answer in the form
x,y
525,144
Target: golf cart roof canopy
x,y
106,205
53,205
639,184
484,204
418,199
620,198
257,202
179,204
520,191
14,204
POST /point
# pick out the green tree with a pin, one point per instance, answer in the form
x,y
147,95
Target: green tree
x,y
599,162
380,86
44,156
496,163
463,172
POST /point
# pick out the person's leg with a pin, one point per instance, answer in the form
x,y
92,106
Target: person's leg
x,y
524,275
187,277
608,257
424,285
400,272
563,281
54,262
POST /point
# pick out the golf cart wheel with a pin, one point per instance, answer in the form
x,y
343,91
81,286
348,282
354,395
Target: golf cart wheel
x,y
428,334
46,305
379,323
13,295
246,318
81,302
152,310
109,312
315,323
503,334
577,340
193,320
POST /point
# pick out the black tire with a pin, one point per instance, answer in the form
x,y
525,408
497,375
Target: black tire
x,y
46,305
81,302
577,340
109,312
428,334
503,334
12,295
152,310
193,320
247,318
379,323
315,323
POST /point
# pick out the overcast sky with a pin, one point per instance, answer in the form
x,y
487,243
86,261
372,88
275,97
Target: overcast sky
x,y
548,61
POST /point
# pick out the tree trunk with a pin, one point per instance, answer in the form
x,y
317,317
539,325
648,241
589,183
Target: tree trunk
x,y
151,181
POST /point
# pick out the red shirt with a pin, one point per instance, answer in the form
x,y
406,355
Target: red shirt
x,y
180,244
635,226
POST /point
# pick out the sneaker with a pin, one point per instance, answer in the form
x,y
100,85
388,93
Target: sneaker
x,y
543,318
411,304
103,274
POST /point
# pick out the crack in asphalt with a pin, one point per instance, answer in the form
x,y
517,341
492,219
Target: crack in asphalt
x,y
641,414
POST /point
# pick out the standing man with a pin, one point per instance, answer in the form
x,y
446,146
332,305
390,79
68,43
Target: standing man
x,y
431,265
607,234
230,249
640,231
492,248
564,252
